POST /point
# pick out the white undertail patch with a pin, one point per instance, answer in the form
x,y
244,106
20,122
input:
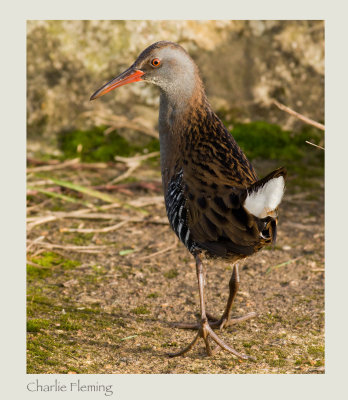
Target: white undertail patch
x,y
267,198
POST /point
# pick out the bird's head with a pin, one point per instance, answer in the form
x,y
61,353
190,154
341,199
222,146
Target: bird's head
x,y
164,64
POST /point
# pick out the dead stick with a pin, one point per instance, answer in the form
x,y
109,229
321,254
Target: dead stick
x,y
35,221
55,164
35,206
37,240
54,167
315,145
298,115
100,230
60,215
67,247
31,160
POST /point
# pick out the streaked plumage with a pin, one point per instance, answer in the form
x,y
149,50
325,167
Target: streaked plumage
x,y
214,201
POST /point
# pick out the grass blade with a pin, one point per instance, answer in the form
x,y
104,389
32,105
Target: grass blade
x,y
269,269
128,337
85,190
60,196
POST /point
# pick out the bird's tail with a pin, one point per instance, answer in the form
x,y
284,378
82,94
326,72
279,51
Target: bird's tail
x,y
264,196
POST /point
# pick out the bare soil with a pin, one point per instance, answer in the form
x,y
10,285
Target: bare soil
x,y
111,312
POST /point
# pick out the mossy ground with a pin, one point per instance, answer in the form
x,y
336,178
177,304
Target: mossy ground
x,y
110,311
95,145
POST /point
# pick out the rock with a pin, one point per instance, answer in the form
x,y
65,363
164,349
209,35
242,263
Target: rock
x,y
244,64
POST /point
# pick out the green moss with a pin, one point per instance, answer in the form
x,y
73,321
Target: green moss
x,y
173,273
94,145
153,295
302,361
47,260
304,318
67,323
145,348
58,206
117,322
69,264
37,272
82,239
36,324
260,139
170,344
277,363
316,351
41,348
98,270
141,310
34,296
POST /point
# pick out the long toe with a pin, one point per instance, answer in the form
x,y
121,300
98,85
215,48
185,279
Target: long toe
x,y
224,322
205,331
208,332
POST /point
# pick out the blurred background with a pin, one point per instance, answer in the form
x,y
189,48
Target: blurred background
x,y
244,65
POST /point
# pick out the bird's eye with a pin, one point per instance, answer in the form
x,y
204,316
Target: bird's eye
x,y
156,62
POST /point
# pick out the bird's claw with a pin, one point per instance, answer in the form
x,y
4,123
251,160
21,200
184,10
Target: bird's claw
x,y
205,331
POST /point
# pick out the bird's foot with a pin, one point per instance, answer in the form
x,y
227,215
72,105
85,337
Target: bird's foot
x,y
215,323
205,331
225,321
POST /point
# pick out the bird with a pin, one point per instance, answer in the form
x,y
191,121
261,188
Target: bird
x,y
215,203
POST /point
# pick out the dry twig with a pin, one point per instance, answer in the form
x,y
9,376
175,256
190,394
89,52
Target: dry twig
x,y
132,163
35,206
53,167
146,201
88,214
35,241
34,221
315,145
98,230
298,115
84,249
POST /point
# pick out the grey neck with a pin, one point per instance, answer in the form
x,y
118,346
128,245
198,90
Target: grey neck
x,y
172,108
169,112
173,115
175,104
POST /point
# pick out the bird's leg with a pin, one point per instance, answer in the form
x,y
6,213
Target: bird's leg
x,y
204,330
225,318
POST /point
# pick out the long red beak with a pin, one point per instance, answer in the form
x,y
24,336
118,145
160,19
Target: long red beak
x,y
128,76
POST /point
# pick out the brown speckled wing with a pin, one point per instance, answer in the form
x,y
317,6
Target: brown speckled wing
x,y
216,218
216,177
